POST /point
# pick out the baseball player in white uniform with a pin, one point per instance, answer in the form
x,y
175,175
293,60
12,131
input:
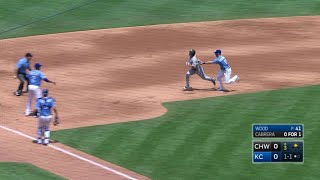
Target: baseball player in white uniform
x,y
35,77
225,70
195,68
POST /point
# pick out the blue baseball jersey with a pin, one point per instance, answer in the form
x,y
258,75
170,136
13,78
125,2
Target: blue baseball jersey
x,y
22,65
35,77
222,61
44,105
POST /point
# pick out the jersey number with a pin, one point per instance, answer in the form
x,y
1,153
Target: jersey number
x,y
33,79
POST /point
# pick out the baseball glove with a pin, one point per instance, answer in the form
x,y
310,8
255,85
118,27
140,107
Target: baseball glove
x,y
56,121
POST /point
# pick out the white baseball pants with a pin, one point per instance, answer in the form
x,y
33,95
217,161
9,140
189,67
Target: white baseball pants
x,y
34,92
226,74
44,126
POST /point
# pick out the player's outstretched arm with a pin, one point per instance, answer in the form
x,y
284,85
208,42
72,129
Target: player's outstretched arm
x,y
48,81
208,62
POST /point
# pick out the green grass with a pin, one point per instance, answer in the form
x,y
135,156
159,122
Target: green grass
x,y
122,13
23,171
207,138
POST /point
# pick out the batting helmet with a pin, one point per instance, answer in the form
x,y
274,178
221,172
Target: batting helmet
x,y
192,52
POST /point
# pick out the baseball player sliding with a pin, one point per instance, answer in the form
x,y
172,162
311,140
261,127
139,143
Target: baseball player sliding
x,y
225,70
195,67
35,77
44,107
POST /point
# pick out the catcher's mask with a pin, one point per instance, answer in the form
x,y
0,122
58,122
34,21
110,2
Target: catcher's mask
x,y
45,92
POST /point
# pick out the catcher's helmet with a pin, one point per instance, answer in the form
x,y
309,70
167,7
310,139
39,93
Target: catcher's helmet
x,y
45,92
192,52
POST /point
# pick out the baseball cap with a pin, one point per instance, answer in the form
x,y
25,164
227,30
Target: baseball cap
x,y
37,65
218,51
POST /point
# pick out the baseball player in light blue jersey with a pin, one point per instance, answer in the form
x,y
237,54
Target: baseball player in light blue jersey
x,y
195,68
45,105
225,70
35,77
22,66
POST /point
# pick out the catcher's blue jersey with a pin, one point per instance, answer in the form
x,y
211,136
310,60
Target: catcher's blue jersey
x,y
44,105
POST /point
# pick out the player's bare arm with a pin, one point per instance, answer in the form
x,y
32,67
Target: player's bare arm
x,y
208,62
48,81
56,119
55,111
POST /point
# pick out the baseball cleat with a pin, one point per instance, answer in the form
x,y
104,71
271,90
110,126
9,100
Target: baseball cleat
x,y
221,89
46,142
187,88
238,79
17,94
39,141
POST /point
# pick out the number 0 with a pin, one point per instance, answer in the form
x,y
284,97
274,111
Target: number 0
x,y
275,146
275,156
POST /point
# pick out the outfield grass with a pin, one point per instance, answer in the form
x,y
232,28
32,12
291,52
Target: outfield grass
x,y
207,138
23,171
122,13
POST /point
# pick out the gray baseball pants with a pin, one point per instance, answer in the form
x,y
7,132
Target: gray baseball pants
x,y
198,70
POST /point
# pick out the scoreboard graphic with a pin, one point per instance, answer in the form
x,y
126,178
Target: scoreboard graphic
x,y
269,151
288,147
278,130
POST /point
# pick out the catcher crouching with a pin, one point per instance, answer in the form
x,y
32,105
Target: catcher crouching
x,y
45,105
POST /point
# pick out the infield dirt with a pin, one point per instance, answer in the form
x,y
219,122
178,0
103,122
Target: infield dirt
x,y
124,74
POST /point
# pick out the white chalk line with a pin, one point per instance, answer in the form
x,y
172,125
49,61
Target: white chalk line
x,y
72,154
